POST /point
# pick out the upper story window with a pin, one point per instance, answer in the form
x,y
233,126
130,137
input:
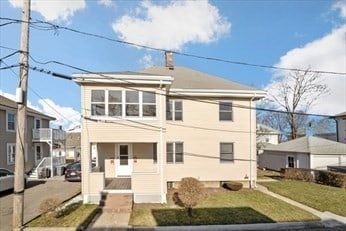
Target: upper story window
x,y
225,110
132,103
175,152
10,121
38,123
117,103
174,109
149,104
98,102
226,152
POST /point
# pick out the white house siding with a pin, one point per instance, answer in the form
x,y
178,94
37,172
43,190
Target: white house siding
x,y
276,160
322,161
341,129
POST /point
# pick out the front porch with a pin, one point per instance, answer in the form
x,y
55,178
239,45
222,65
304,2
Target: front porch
x,y
125,168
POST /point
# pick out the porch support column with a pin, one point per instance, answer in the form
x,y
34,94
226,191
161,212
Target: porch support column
x,y
51,153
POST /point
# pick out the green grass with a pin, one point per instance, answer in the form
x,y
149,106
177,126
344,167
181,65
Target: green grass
x,y
74,215
320,197
241,207
267,174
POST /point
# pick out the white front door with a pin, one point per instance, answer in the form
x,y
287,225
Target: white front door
x,y
124,160
38,153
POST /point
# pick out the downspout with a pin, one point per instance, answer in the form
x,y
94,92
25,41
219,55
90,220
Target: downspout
x,y
161,146
251,141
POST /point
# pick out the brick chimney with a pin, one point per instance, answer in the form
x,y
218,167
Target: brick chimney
x,y
169,60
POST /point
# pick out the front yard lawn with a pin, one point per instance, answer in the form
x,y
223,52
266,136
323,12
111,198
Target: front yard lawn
x,y
227,207
75,215
320,197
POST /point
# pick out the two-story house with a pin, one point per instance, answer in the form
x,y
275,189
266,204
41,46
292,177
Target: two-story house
x,y
150,129
35,148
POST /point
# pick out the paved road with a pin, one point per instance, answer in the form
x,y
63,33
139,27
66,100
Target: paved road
x,y
36,192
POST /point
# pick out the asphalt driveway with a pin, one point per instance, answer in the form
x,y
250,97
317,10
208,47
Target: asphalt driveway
x,y
36,192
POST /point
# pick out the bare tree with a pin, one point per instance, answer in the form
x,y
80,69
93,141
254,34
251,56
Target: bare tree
x,y
296,93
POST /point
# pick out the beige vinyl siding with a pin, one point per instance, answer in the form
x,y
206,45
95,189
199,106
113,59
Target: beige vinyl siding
x,y
140,133
202,132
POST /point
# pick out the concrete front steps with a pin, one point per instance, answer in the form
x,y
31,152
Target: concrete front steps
x,y
116,202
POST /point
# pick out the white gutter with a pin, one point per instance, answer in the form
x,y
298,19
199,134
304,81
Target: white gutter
x,y
161,145
217,93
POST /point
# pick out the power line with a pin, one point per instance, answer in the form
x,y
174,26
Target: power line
x,y
38,95
105,76
57,27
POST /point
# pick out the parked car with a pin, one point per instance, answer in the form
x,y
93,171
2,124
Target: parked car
x,y
7,179
73,172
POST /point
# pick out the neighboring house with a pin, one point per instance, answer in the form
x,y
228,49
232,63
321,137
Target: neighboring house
x,y
36,145
265,135
341,127
150,129
305,152
71,149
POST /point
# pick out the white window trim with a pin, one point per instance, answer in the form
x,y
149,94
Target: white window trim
x,y
232,111
173,101
233,153
7,153
174,152
123,106
15,122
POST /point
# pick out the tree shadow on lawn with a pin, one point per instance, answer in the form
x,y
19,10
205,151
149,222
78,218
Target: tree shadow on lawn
x,y
209,216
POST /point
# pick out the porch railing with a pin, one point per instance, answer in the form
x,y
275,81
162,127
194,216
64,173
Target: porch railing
x,y
48,134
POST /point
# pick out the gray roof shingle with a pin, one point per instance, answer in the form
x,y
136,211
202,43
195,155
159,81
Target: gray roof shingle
x,y
310,144
186,78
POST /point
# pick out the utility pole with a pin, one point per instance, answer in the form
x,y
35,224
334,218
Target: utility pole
x,y
21,95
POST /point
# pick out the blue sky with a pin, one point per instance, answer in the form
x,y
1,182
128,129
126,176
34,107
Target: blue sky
x,y
293,34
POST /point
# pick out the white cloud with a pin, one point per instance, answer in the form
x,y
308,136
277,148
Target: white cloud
x,y
328,54
147,61
341,6
107,3
172,26
66,117
53,10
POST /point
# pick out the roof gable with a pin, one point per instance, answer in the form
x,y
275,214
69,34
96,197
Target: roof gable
x,y
4,101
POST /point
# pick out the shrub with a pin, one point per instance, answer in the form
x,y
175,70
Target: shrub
x,y
51,205
190,193
233,185
317,176
331,178
299,174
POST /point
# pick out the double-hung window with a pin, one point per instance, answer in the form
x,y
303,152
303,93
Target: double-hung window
x,y
11,153
175,152
132,103
123,103
226,152
11,121
98,104
149,104
174,109
225,111
115,103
